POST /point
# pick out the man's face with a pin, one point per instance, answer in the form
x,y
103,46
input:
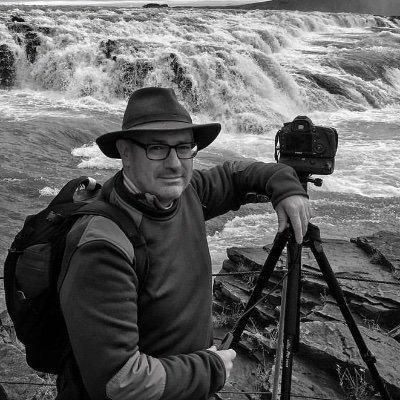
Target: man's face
x,y
166,179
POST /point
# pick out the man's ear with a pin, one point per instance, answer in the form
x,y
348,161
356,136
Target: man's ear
x,y
123,149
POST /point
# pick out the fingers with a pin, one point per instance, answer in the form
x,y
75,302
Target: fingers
x,y
283,221
227,356
298,211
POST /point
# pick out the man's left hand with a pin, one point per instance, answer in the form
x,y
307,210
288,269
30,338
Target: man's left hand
x,y
296,209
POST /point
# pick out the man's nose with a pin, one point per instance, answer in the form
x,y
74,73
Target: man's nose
x,y
173,160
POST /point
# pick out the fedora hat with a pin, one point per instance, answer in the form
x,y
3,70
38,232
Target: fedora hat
x,y
156,109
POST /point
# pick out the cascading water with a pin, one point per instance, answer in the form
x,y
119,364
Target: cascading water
x,y
65,75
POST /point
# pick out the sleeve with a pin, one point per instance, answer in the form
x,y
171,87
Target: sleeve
x,y
99,302
224,187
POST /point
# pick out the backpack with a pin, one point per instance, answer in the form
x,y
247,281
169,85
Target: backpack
x,y
33,265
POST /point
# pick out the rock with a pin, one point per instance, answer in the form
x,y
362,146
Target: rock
x,y
330,343
155,5
7,67
17,379
370,289
384,247
32,42
348,262
182,80
107,47
131,75
7,331
46,30
395,333
23,383
395,19
15,18
19,27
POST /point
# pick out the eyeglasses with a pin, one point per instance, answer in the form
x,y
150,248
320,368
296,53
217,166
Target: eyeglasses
x,y
184,151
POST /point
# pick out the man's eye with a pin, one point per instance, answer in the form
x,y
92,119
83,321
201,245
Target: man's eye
x,y
185,147
157,147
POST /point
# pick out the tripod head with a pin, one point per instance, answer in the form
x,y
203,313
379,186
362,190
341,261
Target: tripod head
x,y
307,178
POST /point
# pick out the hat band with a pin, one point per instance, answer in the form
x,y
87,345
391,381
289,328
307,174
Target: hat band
x,y
156,118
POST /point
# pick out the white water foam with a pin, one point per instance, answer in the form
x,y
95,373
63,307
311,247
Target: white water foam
x,y
249,231
49,191
251,63
93,158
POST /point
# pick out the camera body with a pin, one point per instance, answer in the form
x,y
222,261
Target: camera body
x,y
308,148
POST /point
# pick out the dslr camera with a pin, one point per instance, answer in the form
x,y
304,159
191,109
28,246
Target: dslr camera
x,y
308,148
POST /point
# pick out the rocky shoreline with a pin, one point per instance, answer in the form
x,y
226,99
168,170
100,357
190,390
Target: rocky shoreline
x,y
328,364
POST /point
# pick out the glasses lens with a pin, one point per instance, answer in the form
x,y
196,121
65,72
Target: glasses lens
x,y
187,150
157,151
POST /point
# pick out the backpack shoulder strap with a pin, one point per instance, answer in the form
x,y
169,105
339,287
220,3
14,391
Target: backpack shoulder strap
x,y
131,230
66,194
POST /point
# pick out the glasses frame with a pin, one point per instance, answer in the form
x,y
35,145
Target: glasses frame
x,y
146,146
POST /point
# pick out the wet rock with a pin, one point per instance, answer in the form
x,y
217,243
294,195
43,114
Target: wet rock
x,y
32,42
7,67
182,79
19,27
15,18
46,30
108,47
132,75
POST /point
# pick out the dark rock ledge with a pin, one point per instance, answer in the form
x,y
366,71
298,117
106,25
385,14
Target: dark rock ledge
x,y
328,363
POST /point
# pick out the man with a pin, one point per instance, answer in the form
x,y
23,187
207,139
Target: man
x,y
145,338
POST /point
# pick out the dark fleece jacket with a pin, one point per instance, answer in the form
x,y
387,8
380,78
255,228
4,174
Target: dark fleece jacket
x,y
153,346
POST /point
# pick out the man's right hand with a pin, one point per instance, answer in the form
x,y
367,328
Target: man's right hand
x,y
227,357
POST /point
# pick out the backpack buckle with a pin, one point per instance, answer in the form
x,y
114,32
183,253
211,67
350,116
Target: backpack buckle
x,y
20,295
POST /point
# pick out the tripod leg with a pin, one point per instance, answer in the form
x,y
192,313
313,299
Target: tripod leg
x,y
279,344
291,322
337,293
233,337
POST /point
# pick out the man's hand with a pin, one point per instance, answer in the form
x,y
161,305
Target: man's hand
x,y
296,209
227,357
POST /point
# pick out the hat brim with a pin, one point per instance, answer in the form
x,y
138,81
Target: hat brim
x,y
203,134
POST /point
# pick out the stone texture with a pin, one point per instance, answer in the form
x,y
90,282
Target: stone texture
x,y
23,383
395,333
385,246
7,66
366,269
19,381
331,343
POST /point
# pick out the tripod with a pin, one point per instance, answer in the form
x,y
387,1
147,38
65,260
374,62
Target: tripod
x,y
291,309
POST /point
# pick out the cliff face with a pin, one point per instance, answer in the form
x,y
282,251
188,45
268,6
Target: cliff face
x,y
381,7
